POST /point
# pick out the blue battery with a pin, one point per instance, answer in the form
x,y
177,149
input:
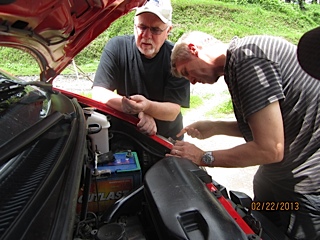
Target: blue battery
x,y
124,161
121,177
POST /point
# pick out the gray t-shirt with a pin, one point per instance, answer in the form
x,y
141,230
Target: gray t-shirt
x,y
264,69
124,68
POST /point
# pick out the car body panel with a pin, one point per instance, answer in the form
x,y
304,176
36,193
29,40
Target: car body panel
x,y
108,110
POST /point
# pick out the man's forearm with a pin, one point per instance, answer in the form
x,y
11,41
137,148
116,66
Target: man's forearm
x,y
165,111
107,97
229,128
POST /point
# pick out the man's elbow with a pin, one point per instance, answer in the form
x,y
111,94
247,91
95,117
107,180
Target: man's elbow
x,y
170,113
278,153
103,95
175,113
97,95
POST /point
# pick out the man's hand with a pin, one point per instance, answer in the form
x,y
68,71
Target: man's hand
x,y
135,104
205,129
165,111
198,130
147,124
187,150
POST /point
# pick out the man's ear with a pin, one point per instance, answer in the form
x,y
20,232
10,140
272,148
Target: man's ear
x,y
193,49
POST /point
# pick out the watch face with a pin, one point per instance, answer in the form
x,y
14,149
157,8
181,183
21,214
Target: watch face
x,y
207,158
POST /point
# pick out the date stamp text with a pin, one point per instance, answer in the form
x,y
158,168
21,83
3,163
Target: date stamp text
x,y
274,206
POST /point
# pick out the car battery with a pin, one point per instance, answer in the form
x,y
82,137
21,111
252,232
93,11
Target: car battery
x,y
119,177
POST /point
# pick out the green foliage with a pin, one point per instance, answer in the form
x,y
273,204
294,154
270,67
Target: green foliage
x,y
92,52
195,101
223,109
207,96
19,60
223,19
222,104
227,19
86,94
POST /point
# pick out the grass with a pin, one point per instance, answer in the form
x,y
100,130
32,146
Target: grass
x,y
224,19
195,102
223,110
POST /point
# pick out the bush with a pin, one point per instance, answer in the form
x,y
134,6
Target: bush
x,y
92,52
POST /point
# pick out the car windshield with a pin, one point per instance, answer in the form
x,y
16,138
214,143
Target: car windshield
x,y
21,106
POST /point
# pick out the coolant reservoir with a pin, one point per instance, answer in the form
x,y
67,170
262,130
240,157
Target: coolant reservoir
x,y
98,125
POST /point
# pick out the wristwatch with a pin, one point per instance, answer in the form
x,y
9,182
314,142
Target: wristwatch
x,y
207,158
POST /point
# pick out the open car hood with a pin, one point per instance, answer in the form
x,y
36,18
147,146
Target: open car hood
x,y
55,31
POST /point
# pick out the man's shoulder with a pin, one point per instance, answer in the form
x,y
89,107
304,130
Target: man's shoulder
x,y
122,39
258,42
166,49
168,44
120,44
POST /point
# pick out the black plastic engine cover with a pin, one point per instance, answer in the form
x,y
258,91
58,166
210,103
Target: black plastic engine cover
x,y
182,207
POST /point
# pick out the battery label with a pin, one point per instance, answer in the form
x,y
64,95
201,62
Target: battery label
x,y
106,193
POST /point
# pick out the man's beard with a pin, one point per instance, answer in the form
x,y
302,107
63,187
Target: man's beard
x,y
148,52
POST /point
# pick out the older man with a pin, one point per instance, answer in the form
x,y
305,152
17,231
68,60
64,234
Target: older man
x,y
277,111
138,68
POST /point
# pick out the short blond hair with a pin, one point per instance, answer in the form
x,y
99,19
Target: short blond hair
x,y
181,52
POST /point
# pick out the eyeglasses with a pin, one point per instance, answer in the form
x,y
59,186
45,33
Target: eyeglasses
x,y
153,30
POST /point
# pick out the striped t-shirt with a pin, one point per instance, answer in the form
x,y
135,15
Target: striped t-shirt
x,y
264,69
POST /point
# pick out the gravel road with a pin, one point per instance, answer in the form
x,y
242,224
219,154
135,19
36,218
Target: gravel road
x,y
238,179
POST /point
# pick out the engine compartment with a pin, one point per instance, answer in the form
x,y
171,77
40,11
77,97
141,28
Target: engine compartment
x,y
132,191
82,172
111,200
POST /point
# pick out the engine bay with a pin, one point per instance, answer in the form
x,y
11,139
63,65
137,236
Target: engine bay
x,y
112,179
73,171
131,191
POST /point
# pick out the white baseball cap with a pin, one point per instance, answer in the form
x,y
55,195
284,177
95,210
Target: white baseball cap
x,y
161,8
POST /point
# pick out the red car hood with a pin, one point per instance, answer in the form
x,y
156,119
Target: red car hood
x,y
55,31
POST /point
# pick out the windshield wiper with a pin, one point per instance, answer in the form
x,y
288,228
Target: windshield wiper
x,y
9,89
12,88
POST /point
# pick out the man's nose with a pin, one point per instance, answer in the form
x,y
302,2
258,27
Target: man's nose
x,y
193,80
147,33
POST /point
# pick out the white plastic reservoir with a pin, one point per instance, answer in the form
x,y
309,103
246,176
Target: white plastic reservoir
x,y
100,139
